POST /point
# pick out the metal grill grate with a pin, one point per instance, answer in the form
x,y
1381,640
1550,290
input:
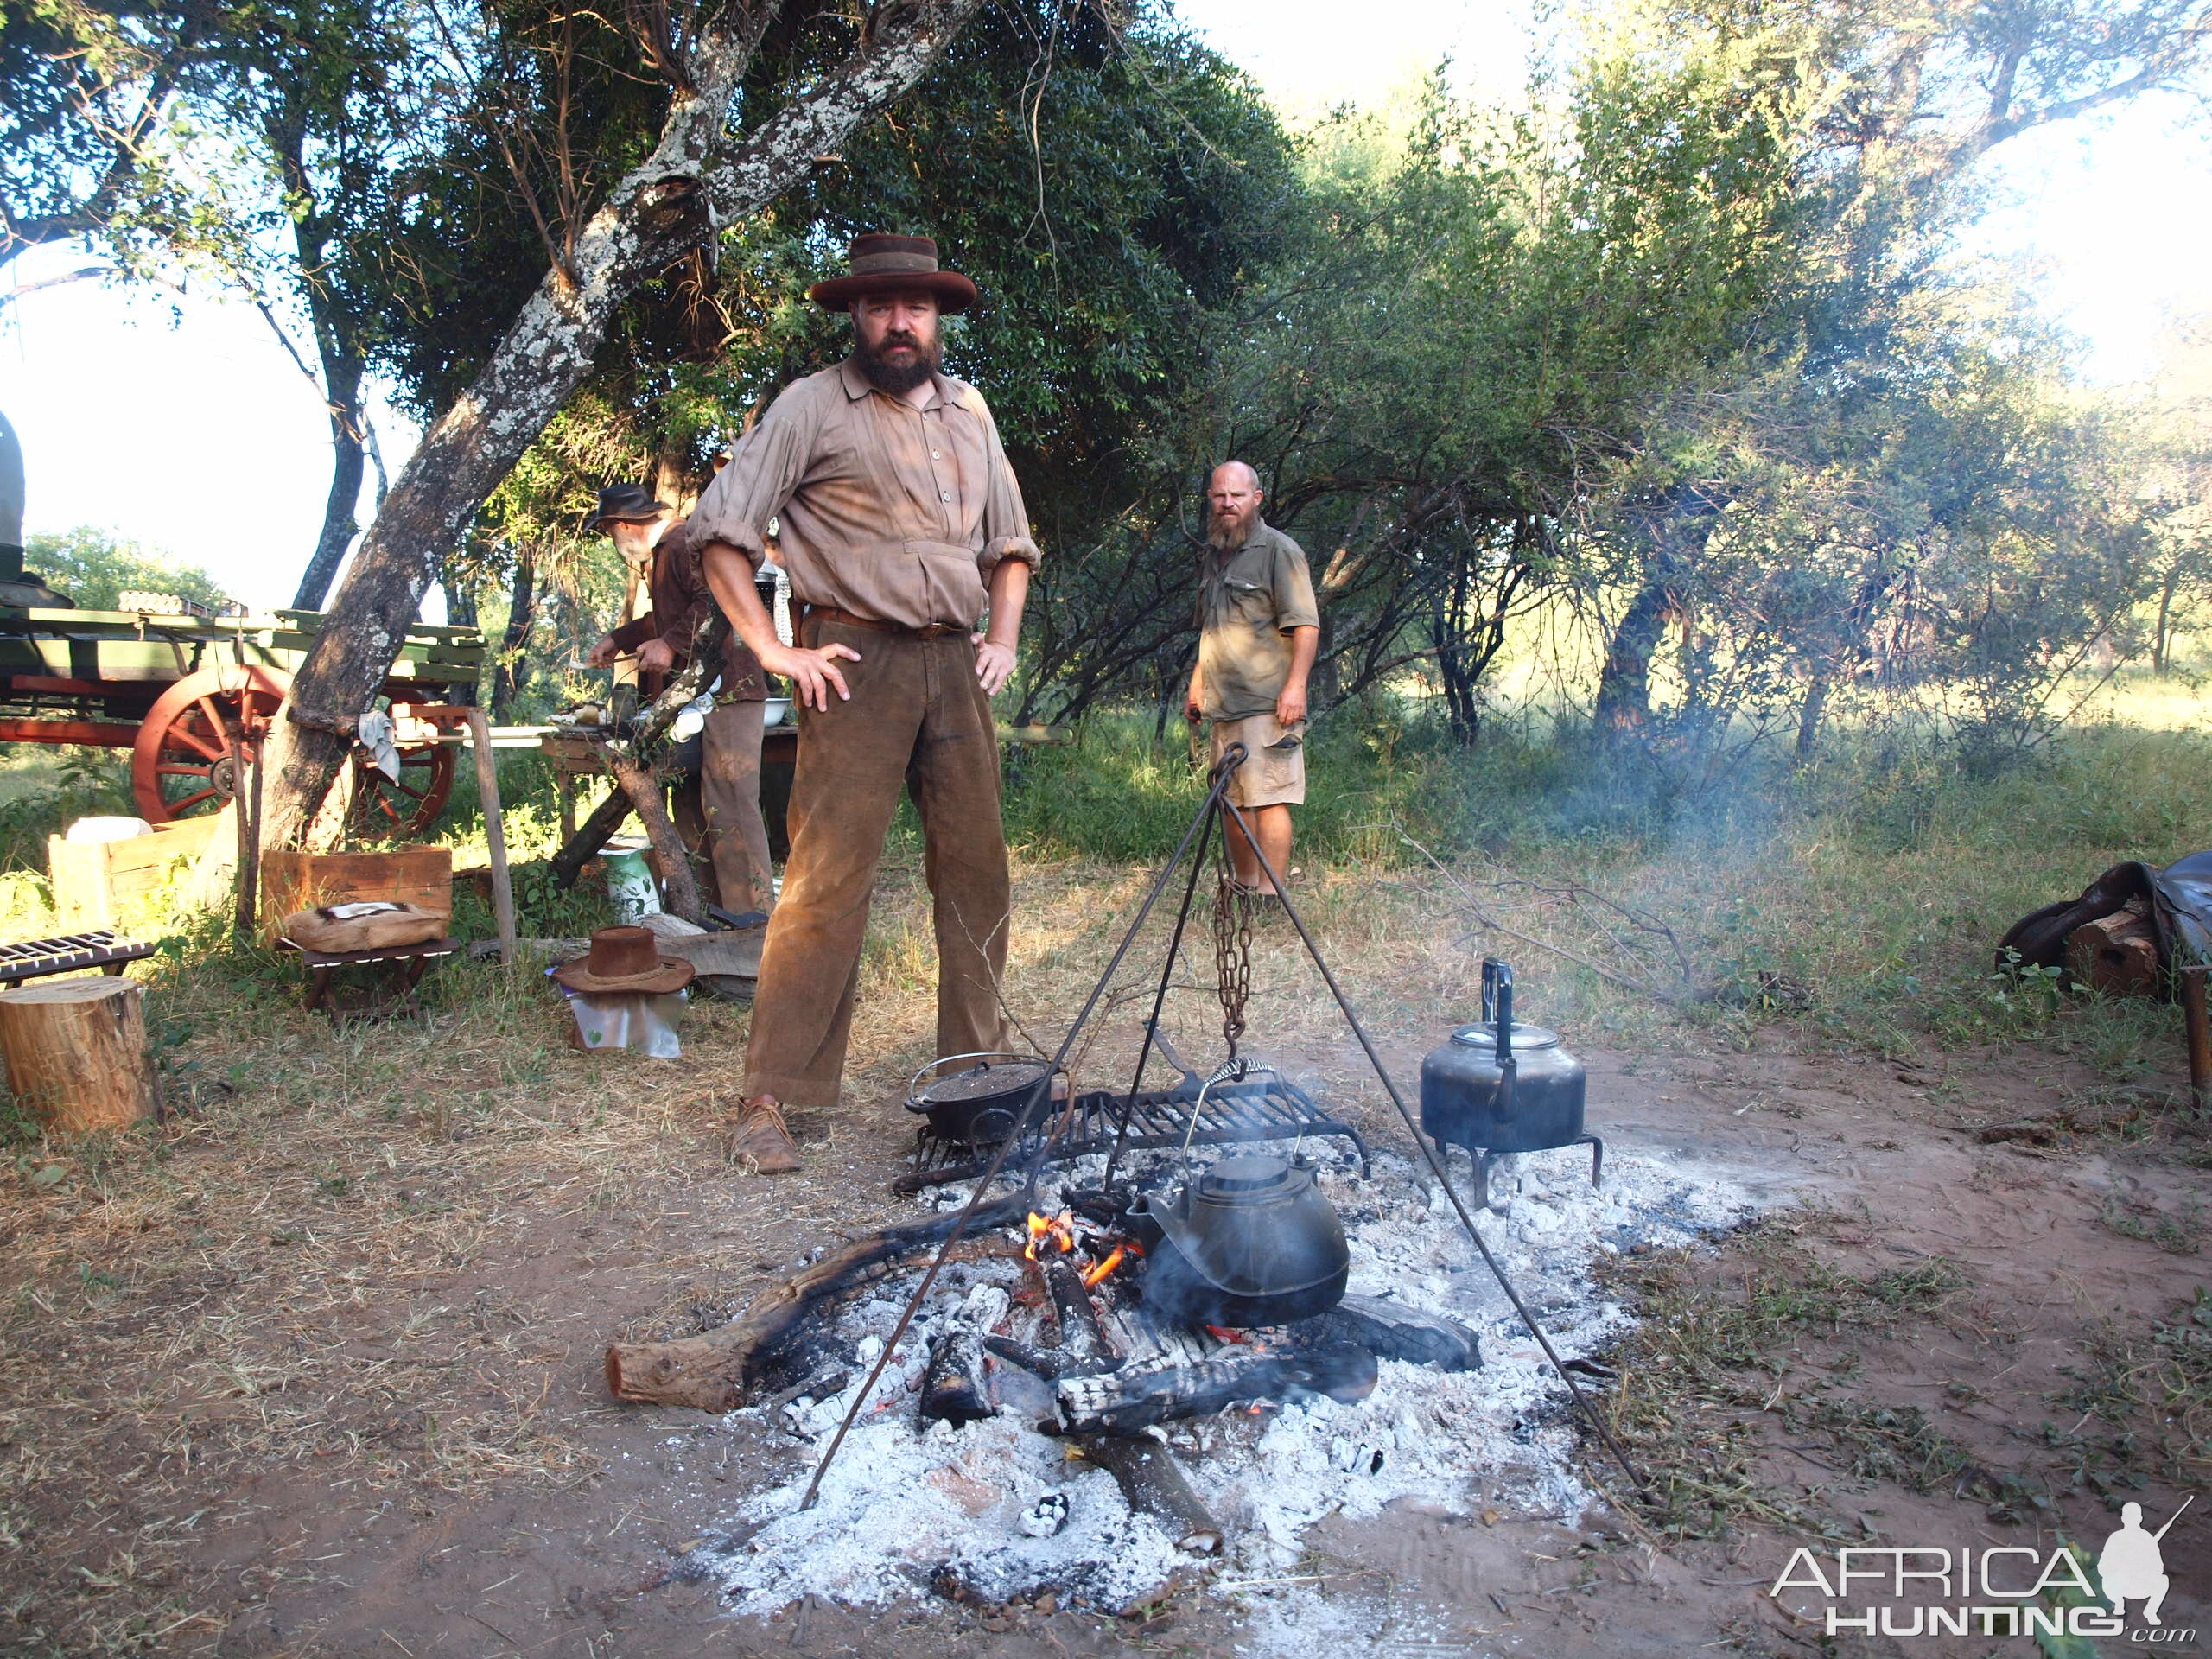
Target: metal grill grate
x,y
1267,1109
67,953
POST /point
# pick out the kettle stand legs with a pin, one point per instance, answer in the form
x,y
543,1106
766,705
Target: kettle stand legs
x,y
1484,1162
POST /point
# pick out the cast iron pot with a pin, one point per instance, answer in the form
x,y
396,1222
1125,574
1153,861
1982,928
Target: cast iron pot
x,y
1252,1242
984,1104
1501,1086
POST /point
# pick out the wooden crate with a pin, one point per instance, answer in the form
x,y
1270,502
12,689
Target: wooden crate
x,y
408,875
93,880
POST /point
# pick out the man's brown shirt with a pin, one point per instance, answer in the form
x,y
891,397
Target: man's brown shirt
x,y
1250,599
881,509
682,603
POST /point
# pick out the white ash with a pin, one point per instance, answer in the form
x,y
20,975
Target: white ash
x,y
903,1498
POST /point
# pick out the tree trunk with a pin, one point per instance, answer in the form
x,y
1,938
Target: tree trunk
x,y
511,670
1624,684
663,209
342,385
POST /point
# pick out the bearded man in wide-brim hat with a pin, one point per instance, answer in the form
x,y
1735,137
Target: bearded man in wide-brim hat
x,y
902,532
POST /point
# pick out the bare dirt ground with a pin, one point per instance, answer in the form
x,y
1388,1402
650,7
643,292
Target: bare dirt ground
x,y
298,1375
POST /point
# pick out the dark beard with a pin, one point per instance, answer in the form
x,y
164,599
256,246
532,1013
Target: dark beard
x,y
897,378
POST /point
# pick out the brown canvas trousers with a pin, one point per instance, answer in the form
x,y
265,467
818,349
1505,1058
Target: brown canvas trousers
x,y
718,810
917,717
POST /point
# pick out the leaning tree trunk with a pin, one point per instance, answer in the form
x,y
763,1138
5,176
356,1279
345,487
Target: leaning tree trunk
x,y
695,179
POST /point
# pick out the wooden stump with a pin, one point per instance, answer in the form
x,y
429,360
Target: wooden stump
x,y
75,1053
2117,954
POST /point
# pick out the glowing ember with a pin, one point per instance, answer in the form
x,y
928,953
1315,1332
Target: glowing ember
x,y
1059,1229
1092,1275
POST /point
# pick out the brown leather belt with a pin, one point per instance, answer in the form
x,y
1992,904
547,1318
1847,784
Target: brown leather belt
x,y
831,614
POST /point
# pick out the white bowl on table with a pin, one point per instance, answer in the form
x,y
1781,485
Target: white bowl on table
x,y
776,711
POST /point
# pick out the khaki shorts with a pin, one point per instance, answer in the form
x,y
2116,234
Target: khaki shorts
x,y
1273,772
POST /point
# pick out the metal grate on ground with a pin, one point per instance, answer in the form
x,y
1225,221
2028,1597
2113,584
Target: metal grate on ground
x,y
1267,1109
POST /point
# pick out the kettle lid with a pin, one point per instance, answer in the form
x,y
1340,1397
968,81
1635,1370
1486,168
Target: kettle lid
x,y
1245,1173
1484,1036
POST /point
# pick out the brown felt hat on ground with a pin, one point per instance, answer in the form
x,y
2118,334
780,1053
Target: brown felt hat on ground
x,y
883,264
624,959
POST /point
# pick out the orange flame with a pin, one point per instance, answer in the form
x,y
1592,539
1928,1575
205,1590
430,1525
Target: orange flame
x,y
1092,1275
1059,1229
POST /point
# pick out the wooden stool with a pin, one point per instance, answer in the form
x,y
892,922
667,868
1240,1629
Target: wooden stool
x,y
399,999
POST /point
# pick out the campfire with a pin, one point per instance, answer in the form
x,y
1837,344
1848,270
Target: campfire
x,y
1044,1426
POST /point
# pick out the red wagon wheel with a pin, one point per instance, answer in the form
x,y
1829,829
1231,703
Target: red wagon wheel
x,y
181,765
406,805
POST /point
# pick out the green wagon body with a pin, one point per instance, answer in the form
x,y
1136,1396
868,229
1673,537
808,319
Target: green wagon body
x,y
106,677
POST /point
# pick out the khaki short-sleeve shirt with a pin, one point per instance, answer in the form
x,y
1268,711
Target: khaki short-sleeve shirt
x,y
1250,599
882,509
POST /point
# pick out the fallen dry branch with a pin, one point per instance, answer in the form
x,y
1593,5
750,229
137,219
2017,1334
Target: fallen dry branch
x,y
712,1372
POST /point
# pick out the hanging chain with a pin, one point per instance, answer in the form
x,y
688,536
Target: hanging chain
x,y
1232,954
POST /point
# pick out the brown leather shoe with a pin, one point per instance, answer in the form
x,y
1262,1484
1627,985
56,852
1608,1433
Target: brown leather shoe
x,y
763,1140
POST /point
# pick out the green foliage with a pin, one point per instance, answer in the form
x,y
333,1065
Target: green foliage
x,y
94,567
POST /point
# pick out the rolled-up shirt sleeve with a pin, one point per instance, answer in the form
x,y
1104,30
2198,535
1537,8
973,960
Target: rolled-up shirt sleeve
x,y
766,466
1006,516
1294,605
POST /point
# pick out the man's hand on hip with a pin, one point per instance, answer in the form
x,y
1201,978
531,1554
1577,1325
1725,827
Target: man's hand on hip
x,y
812,672
994,664
1290,706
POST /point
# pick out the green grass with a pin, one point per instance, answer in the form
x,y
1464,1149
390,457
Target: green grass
x,y
1863,895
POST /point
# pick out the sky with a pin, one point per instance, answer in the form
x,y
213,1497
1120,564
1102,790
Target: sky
x,y
179,422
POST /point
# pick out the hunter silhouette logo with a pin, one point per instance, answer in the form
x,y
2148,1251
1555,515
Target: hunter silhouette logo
x,y
2131,1566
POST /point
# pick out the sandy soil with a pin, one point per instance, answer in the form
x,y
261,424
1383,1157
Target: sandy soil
x,y
526,1513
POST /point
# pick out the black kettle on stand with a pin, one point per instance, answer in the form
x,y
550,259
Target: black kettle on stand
x,y
1500,1087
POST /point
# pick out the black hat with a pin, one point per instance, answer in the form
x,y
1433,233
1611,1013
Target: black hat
x,y
882,263
627,504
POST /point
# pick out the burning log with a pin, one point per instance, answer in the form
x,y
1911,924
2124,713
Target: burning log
x,y
712,1372
1035,1361
1083,1347
1390,1332
1123,1402
953,1391
952,1383
1155,1484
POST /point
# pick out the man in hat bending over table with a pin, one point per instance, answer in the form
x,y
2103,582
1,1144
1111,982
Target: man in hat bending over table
x,y
717,808
899,524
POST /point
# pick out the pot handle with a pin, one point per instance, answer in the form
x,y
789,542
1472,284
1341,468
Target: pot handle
x,y
947,1060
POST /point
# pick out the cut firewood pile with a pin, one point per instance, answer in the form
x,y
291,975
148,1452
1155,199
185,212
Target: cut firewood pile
x,y
1088,1408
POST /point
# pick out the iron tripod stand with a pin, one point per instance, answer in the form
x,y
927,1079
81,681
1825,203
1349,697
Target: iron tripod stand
x,y
1216,806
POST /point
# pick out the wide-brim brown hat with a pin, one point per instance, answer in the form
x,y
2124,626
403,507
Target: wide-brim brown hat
x,y
625,959
883,264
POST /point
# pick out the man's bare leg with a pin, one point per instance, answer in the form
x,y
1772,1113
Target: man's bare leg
x,y
1272,823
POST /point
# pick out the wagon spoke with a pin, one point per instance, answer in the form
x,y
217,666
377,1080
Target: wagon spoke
x,y
190,801
181,732
181,769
